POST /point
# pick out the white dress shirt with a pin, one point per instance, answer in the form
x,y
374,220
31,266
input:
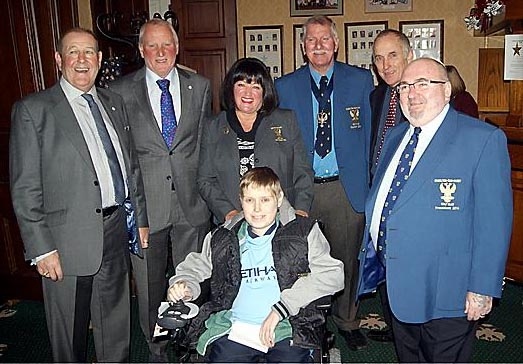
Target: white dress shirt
x,y
155,94
427,133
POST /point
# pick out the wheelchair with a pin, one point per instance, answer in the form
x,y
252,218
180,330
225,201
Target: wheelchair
x,y
177,315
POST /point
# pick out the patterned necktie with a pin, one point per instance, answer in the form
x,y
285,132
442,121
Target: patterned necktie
x,y
400,178
389,121
114,164
168,115
323,144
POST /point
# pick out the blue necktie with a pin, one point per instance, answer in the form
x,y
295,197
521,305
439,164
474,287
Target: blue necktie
x,y
168,115
323,144
400,178
114,164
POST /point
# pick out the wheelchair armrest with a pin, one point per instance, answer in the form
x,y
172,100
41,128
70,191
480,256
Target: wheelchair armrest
x,y
324,304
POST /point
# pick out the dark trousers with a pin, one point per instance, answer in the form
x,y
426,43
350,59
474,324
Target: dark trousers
x,y
224,350
102,299
385,306
343,228
445,340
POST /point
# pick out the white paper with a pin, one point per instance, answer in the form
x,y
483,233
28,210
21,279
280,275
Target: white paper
x,y
248,335
513,57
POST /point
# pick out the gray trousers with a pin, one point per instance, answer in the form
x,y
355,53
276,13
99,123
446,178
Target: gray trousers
x,y
102,298
150,272
343,228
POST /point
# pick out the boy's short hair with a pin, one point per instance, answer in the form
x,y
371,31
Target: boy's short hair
x,y
261,177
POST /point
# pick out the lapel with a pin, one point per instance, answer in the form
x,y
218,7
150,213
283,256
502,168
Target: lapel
x,y
187,114
226,146
305,105
142,100
68,125
431,158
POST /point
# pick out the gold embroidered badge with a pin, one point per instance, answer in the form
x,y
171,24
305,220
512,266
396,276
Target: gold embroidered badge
x,y
278,133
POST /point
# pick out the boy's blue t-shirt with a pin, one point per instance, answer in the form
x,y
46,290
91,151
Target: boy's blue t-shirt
x,y
259,288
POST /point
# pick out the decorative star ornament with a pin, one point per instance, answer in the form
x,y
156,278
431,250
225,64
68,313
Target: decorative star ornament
x,y
517,49
472,22
493,8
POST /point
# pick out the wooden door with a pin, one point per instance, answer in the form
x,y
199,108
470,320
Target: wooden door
x,y
208,41
30,30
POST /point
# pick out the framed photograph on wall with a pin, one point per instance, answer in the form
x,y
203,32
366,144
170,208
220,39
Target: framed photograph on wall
x,y
426,37
314,7
387,6
266,44
299,58
359,39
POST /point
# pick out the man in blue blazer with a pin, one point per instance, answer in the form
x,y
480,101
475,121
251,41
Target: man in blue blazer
x,y
331,101
443,245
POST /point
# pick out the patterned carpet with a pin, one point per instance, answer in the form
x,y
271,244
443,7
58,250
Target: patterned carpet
x,y
23,334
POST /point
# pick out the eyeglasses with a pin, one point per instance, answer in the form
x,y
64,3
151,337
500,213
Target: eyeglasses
x,y
420,85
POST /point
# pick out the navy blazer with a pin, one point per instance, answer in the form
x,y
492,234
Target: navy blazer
x,y
351,122
449,231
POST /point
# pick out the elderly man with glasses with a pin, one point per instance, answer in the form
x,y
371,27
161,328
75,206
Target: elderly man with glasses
x,y
439,218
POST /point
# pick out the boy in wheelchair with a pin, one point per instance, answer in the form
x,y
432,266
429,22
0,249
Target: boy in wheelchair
x,y
266,266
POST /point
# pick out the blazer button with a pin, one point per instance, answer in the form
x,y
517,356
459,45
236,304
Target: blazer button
x,y
256,160
168,178
98,211
96,183
171,152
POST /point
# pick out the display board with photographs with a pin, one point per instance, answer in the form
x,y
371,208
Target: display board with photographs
x,y
266,44
426,37
315,7
387,6
359,39
299,58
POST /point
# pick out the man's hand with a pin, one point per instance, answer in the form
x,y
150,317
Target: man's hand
x,y
50,267
477,306
302,213
179,291
267,329
231,214
144,237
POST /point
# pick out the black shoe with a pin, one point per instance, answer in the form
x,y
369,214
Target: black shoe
x,y
354,338
158,358
384,336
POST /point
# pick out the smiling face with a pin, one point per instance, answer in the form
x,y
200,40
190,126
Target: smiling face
x,y
391,58
419,105
260,206
159,48
248,98
320,45
79,60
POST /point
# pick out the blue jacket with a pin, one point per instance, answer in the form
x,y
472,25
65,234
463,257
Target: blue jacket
x,y
352,87
449,231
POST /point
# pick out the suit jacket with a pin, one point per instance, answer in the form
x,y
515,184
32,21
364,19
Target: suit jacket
x,y
351,122
378,106
164,169
450,228
54,187
278,144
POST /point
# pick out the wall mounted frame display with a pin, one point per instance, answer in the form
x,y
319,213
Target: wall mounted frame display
x,y
299,58
359,38
266,44
314,7
426,37
387,6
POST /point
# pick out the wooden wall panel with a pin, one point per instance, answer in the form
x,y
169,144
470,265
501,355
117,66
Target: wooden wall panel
x,y
493,92
514,269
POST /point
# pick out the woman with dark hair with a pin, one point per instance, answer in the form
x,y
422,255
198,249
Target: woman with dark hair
x,y
251,132
460,98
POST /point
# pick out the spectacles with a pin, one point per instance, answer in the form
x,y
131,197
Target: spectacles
x,y
420,85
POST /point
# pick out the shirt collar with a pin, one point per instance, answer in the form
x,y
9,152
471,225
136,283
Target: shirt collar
x,y
153,77
72,93
316,75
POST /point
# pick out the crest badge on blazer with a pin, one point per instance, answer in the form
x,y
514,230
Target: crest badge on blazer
x,y
354,116
448,187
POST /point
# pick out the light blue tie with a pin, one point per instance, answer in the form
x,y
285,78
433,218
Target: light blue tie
x,y
168,115
400,178
114,164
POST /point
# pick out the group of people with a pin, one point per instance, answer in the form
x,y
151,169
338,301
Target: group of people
x,y
319,184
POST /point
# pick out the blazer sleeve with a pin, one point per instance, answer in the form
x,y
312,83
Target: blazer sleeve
x,y
303,174
25,170
493,212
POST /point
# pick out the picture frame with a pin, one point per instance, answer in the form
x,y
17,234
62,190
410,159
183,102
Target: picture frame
x,y
299,58
266,44
359,39
311,7
387,6
426,37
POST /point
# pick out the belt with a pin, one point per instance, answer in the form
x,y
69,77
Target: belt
x,y
108,211
322,180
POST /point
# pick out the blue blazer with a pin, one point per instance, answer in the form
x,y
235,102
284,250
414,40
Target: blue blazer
x,y
352,87
449,232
